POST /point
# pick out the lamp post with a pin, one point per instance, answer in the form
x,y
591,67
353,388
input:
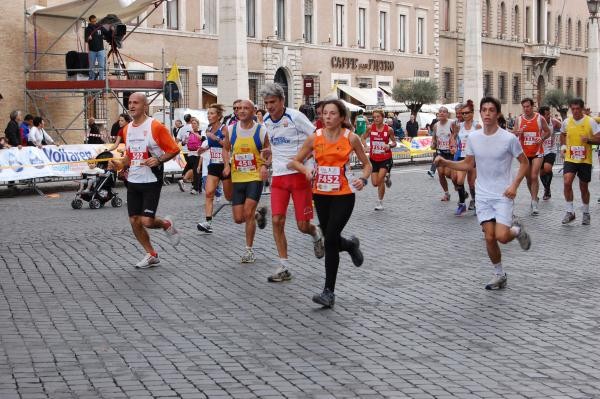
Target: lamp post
x,y
593,53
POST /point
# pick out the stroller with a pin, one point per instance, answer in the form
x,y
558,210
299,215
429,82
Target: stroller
x,y
103,190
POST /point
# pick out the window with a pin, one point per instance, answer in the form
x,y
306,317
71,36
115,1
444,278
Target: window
x,y
173,14
527,24
503,22
487,18
281,19
569,86
579,41
487,84
402,31
517,24
308,21
549,28
362,17
516,88
579,88
364,83
339,24
420,35
559,31
446,15
210,17
559,83
255,83
502,87
251,18
569,33
448,84
382,30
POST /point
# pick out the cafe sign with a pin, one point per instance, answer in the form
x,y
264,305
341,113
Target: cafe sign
x,y
354,63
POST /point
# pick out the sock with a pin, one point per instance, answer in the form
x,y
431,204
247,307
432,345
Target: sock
x,y
544,180
570,207
248,248
586,208
549,179
283,262
154,253
516,230
498,269
461,194
472,191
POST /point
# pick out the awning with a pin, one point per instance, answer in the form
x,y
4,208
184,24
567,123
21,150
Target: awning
x,y
352,107
213,91
368,98
59,17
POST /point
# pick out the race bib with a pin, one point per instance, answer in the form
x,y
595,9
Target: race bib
x,y
138,152
379,147
245,162
577,152
138,157
443,144
328,178
529,138
216,154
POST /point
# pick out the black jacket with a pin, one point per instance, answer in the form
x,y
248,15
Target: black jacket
x,y
12,133
95,31
412,128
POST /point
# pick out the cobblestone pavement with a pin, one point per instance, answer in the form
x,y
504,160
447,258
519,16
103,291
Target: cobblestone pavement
x,y
78,321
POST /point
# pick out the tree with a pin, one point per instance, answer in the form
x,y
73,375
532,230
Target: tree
x,y
558,100
415,93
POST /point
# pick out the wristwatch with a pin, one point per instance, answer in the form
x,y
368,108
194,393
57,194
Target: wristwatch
x,y
365,181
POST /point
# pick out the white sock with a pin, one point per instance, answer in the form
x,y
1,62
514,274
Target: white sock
x,y
498,269
570,207
248,248
586,208
283,262
516,230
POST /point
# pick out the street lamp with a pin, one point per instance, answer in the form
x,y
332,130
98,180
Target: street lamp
x,y
593,53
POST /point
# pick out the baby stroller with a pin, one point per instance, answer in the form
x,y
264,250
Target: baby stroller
x,y
103,190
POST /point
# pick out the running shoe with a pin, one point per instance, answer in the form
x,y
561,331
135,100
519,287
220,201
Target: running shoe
x,y
569,217
586,220
534,208
523,237
248,257
446,197
497,282
547,195
205,227
462,208
379,206
218,199
193,192
148,262
261,217
181,184
281,274
172,232
430,173
388,180
472,205
599,200
355,253
325,298
319,243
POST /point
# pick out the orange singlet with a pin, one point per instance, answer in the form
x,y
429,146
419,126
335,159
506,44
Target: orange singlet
x,y
532,129
332,164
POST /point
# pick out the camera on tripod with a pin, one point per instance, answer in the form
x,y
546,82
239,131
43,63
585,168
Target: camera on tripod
x,y
114,30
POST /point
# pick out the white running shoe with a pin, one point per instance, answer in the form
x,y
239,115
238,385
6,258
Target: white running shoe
x,y
248,257
379,206
181,184
148,262
497,282
319,243
535,208
172,232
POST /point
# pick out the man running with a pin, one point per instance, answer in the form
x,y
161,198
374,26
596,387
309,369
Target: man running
x,y
546,173
532,129
360,124
494,149
577,135
287,130
149,144
442,133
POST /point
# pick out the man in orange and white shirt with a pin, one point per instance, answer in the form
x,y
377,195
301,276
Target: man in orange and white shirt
x,y
532,129
148,144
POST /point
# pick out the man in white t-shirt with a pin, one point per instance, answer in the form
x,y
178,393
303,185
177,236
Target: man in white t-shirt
x,y
493,149
287,130
182,138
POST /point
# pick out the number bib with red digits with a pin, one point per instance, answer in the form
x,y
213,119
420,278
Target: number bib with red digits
x,y
245,162
577,152
138,152
443,144
216,154
328,178
529,138
379,147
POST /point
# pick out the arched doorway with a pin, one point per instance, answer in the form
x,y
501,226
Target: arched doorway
x,y
281,78
541,90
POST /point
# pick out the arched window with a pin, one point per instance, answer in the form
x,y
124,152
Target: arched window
x,y
517,23
487,18
579,41
569,33
559,38
446,15
503,22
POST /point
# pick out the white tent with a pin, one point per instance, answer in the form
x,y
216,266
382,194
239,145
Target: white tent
x,y
352,107
368,97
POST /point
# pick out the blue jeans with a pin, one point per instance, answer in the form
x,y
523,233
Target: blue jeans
x,y
100,57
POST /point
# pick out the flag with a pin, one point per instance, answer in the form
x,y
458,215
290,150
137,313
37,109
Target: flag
x,y
174,76
173,85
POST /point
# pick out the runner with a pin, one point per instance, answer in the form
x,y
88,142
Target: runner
x,y
182,138
360,123
442,133
532,129
546,173
218,167
248,172
577,135
145,156
333,188
494,149
381,140
287,130
465,128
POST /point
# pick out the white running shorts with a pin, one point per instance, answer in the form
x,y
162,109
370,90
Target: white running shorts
x,y
500,209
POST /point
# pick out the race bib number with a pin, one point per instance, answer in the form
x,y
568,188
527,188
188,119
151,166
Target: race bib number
x,y
379,147
529,138
443,144
245,162
328,178
138,157
577,152
548,145
216,154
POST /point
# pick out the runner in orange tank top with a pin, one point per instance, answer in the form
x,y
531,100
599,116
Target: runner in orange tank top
x,y
333,188
532,129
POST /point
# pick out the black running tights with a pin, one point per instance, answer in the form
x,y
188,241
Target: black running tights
x,y
334,211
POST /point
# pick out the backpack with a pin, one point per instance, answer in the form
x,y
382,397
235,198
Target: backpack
x,y
194,141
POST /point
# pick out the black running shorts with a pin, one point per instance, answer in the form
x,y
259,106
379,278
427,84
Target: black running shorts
x,y
550,158
142,198
216,169
387,164
582,170
249,190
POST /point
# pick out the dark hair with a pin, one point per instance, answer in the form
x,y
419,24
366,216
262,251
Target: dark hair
x,y
360,111
490,100
126,116
469,104
501,121
28,117
577,101
37,121
342,110
527,100
543,109
91,17
308,111
262,111
319,104
187,118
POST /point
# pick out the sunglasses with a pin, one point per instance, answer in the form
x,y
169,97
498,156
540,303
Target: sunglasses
x,y
466,113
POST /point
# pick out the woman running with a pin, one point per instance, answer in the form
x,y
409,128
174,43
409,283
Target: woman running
x,y
381,141
333,188
218,167
194,141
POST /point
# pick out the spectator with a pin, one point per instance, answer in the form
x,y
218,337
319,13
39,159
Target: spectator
x,y
12,132
412,127
3,143
37,135
510,122
94,39
93,136
124,119
25,127
177,127
260,113
89,178
502,121
182,138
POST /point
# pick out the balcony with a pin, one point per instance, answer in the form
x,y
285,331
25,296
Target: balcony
x,y
544,51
